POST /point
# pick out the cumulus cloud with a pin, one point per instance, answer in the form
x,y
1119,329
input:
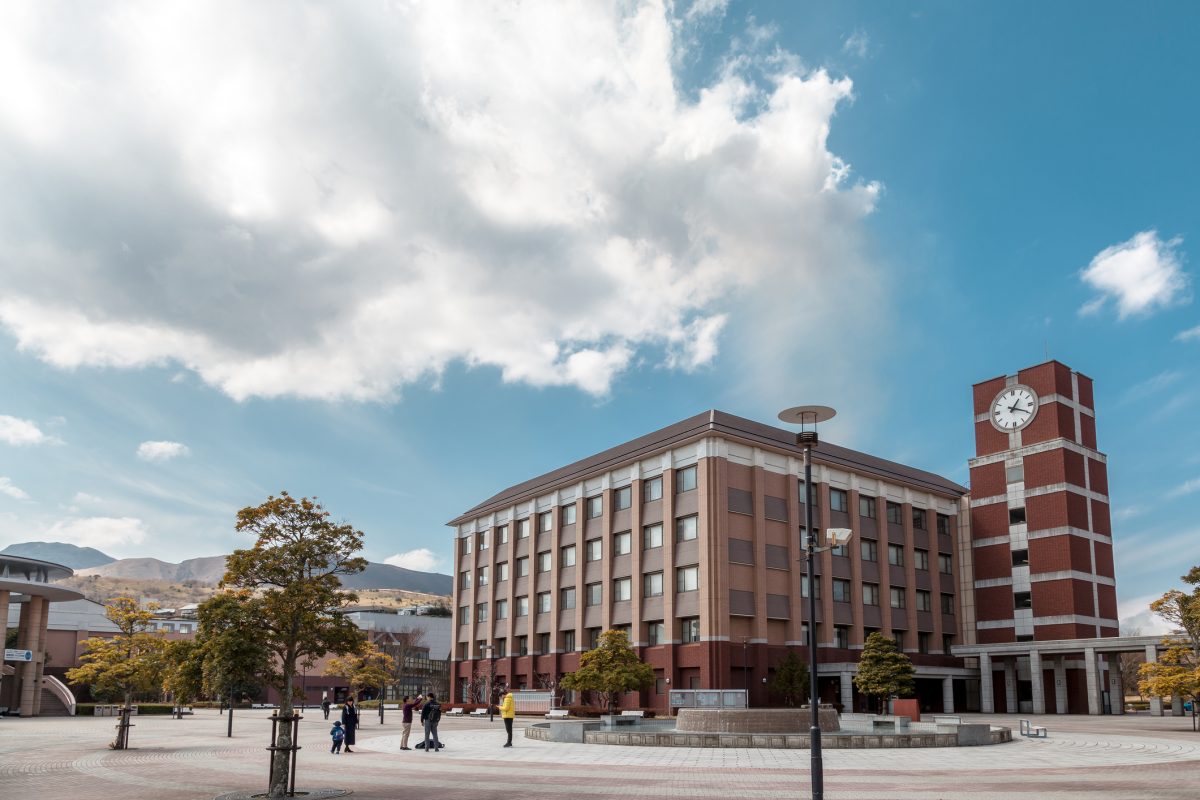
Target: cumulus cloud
x,y
15,492
1135,614
161,451
98,532
422,560
1141,275
336,201
22,431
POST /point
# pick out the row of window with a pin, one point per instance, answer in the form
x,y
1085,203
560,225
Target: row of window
x,y
839,500
685,481
842,593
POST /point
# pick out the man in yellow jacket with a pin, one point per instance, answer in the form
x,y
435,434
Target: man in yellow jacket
x,y
508,710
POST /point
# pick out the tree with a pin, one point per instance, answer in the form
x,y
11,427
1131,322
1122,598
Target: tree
x,y
295,603
403,648
1130,664
791,680
609,670
183,677
884,671
369,668
134,660
1177,671
230,653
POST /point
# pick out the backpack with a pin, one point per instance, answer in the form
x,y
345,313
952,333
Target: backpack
x,y
435,713
338,734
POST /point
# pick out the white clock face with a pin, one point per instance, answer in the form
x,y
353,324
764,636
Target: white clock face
x,y
1014,408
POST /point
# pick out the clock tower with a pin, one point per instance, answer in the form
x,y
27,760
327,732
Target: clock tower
x,y
1040,530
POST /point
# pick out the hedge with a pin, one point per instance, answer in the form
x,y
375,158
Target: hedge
x,y
89,709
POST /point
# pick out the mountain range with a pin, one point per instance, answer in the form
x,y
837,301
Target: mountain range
x,y
208,570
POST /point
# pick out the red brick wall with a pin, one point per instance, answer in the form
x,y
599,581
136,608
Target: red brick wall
x,y
1085,392
1101,523
1046,511
1104,560
993,561
996,636
1087,431
994,602
1073,468
1098,474
1063,631
1107,596
988,439
985,392
1051,554
988,480
1052,598
1044,469
988,521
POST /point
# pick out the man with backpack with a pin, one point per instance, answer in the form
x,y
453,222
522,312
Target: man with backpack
x,y
431,715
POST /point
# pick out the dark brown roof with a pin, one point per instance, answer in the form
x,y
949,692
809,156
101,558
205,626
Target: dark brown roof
x,y
697,427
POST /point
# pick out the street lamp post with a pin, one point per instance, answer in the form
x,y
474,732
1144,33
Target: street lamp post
x,y
746,667
491,650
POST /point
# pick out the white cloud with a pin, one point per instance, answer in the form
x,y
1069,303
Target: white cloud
x,y
1190,335
1135,614
83,498
1140,275
857,44
706,8
98,532
22,431
334,202
15,492
161,451
1185,488
422,560
1151,387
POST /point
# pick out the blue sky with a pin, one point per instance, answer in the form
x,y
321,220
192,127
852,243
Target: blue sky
x,y
401,258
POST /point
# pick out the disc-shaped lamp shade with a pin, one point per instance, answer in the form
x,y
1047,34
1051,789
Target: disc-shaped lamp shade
x,y
807,415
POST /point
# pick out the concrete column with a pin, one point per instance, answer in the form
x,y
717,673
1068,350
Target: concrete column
x,y
40,657
1116,692
987,702
947,695
847,689
1176,706
1060,685
1156,704
1035,676
1010,684
1093,680
4,594
30,625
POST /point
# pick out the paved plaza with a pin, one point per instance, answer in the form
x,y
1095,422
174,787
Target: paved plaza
x,y
1084,757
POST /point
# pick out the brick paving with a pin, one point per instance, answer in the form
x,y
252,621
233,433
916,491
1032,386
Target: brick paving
x,y
1084,758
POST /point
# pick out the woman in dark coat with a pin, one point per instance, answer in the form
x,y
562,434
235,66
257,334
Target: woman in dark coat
x,y
349,721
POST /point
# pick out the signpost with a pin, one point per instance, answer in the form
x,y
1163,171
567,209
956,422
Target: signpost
x,y
18,655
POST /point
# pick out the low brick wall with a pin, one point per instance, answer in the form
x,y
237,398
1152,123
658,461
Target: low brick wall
x,y
782,741
754,720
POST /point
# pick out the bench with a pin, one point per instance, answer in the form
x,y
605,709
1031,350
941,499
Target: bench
x,y
479,712
942,719
454,712
638,713
557,713
1032,731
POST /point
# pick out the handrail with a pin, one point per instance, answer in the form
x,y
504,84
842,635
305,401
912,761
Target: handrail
x,y
60,690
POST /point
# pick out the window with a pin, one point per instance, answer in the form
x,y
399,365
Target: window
x,y
465,545
652,536
947,603
523,606
896,555
866,507
893,513
544,561
685,529
464,579
870,594
804,637
568,641
1024,637
922,642
543,643
501,609
522,645
947,642
839,500
543,602
868,549
898,597
502,534
841,590
687,579
804,586
660,685
464,615
1022,600
924,600
918,518
652,489
1020,558
689,629
566,598
921,559
481,612
622,589
593,635
943,525
840,550
1015,473
568,514
898,638
595,549
502,571
621,543
595,594
595,507
484,536
622,498
501,648
483,576
546,521
652,584
841,636
656,633
945,564
522,566
1016,516
685,479
523,528
567,556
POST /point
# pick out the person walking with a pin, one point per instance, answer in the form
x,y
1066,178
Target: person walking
x,y
338,734
410,704
508,711
350,721
431,715
325,706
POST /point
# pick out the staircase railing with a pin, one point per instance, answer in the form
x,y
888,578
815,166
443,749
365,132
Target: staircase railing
x,y
60,690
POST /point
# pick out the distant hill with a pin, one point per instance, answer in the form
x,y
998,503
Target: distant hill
x,y
68,555
386,576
